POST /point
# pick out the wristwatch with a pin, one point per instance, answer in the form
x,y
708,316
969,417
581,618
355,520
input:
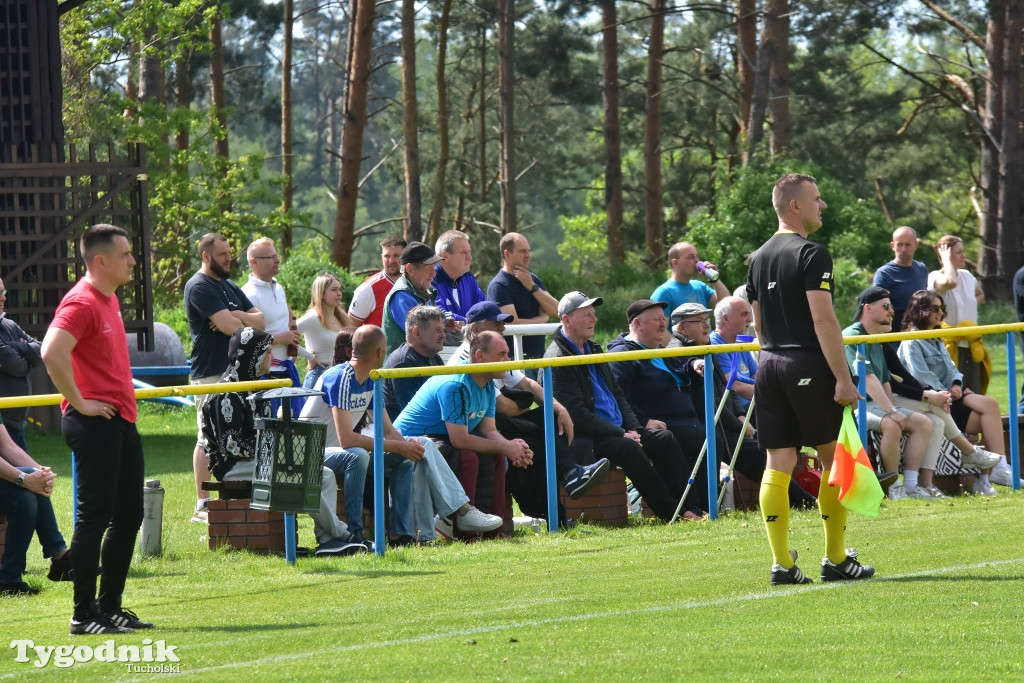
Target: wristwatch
x,y
534,288
20,481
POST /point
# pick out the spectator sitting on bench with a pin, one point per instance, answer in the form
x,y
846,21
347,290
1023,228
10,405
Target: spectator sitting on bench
x,y
422,484
516,416
457,413
229,432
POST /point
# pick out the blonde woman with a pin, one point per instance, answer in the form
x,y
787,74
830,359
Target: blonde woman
x,y
321,324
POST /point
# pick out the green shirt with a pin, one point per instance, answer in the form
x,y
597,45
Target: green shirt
x,y
875,364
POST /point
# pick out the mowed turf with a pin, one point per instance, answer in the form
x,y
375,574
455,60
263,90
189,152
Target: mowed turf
x,y
690,601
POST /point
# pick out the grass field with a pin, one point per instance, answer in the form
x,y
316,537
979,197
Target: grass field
x,y
646,602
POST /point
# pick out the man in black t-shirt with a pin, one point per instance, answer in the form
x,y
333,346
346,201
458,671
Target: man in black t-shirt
x,y
215,307
520,293
803,381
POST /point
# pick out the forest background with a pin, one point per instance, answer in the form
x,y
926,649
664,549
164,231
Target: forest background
x,y
604,130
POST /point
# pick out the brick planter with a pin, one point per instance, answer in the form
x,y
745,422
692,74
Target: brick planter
x,y
605,504
233,523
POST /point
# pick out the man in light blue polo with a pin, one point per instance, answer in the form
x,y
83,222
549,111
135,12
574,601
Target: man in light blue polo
x,y
682,287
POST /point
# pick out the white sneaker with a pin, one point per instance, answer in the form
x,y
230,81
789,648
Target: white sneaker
x,y
477,521
443,527
935,491
1002,475
897,492
984,488
980,458
200,515
918,492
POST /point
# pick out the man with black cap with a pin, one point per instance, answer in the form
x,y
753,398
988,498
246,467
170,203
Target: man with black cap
x,y
412,289
520,414
604,422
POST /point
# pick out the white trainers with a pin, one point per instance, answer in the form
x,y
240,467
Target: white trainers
x,y
984,488
200,515
1002,475
980,458
477,521
918,492
935,491
443,527
897,492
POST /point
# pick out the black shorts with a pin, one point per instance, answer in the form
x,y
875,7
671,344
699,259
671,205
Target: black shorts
x,y
794,394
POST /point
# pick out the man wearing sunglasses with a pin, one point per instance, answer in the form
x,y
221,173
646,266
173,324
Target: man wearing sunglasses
x,y
874,316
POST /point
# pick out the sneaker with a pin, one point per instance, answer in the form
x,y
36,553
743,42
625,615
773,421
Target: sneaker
x,y
96,624
474,520
980,458
919,492
200,514
338,548
583,478
897,492
15,588
887,479
1002,475
935,491
444,527
125,618
60,569
847,570
984,488
787,577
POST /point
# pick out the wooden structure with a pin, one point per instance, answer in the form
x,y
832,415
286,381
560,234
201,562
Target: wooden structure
x,y
49,192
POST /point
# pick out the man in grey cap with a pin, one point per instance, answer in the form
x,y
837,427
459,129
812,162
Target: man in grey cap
x,y
411,290
604,423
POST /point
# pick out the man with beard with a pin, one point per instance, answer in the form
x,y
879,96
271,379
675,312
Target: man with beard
x,y
367,307
215,307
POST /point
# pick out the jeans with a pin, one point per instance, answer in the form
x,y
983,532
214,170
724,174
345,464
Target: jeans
x,y
309,381
26,512
350,467
435,490
110,471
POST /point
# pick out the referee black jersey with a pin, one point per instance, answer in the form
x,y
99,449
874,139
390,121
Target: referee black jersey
x,y
782,271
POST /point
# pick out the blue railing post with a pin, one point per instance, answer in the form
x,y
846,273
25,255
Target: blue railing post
x,y
378,468
1011,375
709,421
290,550
74,491
549,451
862,389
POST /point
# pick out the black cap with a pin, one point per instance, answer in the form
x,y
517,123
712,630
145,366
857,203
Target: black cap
x,y
417,252
869,296
638,307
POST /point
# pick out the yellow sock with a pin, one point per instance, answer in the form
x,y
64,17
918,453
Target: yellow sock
x,y
774,499
833,515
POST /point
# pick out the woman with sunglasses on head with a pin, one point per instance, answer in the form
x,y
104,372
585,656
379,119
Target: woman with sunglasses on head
x,y
929,362
321,323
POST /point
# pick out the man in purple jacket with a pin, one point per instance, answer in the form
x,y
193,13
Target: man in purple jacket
x,y
457,289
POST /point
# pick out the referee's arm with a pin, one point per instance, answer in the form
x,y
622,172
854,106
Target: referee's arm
x,y
830,338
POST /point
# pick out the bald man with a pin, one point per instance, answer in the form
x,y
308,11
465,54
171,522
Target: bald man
x,y
903,275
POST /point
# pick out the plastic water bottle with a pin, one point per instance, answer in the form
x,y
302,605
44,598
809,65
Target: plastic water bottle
x,y
150,536
707,271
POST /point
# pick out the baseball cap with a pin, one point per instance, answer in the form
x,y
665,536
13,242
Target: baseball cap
x,y
487,310
638,307
869,296
417,252
688,310
575,300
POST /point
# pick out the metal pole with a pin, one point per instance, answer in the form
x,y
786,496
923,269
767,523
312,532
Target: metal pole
x,y
711,420
549,451
74,491
862,405
289,537
378,469
1011,374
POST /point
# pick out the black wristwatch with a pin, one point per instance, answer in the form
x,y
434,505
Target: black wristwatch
x,y
534,288
20,481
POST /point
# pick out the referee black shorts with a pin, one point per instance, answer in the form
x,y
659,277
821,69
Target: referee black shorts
x,y
794,393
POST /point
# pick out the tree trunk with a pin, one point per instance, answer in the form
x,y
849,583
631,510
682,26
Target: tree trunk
x,y
759,99
482,115
354,124
654,221
988,258
218,101
506,91
288,191
410,125
1011,162
777,22
183,96
612,135
440,177
746,57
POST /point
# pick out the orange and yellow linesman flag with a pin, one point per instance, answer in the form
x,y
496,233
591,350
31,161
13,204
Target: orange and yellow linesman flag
x,y
859,489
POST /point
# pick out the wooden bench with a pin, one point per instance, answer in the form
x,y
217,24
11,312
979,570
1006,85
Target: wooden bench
x,y
234,524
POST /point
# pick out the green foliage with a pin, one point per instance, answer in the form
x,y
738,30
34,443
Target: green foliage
x,y
583,244
300,269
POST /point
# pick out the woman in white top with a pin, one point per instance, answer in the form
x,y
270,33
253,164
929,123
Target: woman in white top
x,y
321,323
962,294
